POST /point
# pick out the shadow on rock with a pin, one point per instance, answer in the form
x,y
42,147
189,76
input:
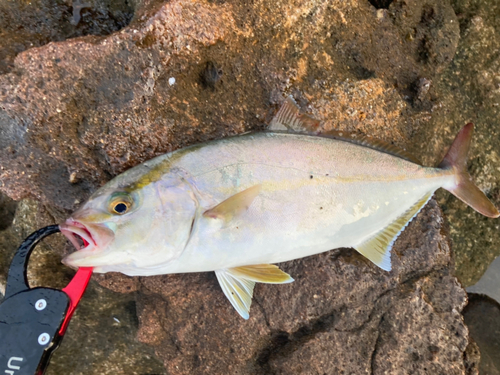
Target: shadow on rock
x,y
482,316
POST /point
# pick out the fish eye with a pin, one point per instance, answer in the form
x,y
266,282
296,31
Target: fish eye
x,y
120,208
120,203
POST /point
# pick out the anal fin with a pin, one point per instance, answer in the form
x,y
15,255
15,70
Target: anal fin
x,y
263,273
378,248
237,283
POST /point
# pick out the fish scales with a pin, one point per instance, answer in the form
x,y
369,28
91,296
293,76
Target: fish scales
x,y
313,190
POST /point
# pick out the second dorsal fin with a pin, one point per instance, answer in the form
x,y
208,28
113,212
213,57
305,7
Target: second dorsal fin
x,y
289,119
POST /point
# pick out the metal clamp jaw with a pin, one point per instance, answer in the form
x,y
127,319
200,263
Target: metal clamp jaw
x,y
33,321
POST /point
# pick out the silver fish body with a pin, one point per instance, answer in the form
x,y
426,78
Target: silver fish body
x,y
238,205
316,194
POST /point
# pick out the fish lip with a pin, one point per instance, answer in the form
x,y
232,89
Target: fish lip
x,y
71,227
96,237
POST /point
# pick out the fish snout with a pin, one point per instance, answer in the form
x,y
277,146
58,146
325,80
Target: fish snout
x,y
87,238
93,236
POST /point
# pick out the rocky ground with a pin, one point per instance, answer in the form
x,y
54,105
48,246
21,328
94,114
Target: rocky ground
x,y
88,90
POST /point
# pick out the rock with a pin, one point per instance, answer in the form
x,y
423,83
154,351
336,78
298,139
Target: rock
x,y
482,316
7,210
21,29
472,358
7,243
44,267
467,91
72,119
101,338
77,112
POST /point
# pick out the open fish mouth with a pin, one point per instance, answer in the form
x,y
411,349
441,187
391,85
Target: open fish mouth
x,y
76,232
90,240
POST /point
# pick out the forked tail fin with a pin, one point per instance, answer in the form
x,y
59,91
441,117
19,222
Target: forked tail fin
x,y
465,190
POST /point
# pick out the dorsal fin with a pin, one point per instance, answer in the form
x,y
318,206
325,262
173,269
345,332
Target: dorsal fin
x,y
289,119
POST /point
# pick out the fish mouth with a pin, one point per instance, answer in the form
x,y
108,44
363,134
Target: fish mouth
x,y
75,231
90,241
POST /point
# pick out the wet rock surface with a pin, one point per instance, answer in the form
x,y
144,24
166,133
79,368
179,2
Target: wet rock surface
x,y
75,113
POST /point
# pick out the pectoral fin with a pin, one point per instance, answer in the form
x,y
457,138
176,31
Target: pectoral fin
x,y
238,283
378,248
234,205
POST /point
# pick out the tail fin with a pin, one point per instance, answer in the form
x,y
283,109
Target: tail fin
x,y
465,190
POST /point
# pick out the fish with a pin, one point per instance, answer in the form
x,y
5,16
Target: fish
x,y
240,205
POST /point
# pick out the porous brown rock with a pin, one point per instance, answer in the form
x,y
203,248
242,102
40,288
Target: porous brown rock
x,y
76,112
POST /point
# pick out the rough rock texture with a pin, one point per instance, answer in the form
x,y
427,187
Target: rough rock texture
x,y
469,91
30,24
77,112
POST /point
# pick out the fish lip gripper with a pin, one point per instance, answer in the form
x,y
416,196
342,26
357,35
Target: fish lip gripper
x,y
33,320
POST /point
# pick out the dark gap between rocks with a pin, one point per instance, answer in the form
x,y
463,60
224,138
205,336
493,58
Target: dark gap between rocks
x,y
7,211
381,4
